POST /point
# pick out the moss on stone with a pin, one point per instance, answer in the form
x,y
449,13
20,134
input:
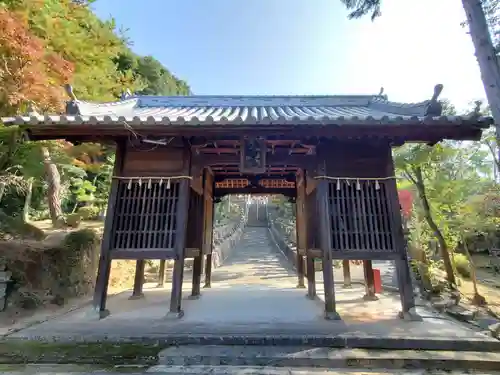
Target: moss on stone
x,y
50,273
102,353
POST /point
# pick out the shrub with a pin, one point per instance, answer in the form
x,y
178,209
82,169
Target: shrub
x,y
73,220
462,265
88,212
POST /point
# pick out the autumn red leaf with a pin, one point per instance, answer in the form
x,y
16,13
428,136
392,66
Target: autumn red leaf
x,y
29,71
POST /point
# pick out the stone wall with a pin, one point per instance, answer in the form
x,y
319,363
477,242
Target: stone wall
x,y
226,237
285,240
43,273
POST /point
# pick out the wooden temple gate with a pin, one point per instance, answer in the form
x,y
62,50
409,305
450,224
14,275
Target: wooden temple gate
x,y
332,154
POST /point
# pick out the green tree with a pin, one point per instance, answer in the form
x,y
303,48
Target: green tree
x,y
480,29
43,45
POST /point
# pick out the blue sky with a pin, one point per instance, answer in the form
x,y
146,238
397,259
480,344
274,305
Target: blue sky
x,y
305,46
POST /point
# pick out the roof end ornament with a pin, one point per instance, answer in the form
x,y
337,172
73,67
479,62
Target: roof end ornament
x,y
434,106
382,95
125,94
72,103
69,91
476,112
31,109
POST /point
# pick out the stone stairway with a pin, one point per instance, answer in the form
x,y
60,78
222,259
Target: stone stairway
x,y
223,370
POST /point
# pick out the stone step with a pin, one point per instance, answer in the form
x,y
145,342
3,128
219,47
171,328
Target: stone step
x,y
244,370
252,370
323,357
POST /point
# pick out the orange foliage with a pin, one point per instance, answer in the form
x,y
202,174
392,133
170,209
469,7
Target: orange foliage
x,y
29,71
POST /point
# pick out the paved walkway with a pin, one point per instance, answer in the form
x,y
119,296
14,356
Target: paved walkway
x,y
255,284
220,370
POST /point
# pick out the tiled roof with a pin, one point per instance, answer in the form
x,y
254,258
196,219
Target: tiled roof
x,y
245,110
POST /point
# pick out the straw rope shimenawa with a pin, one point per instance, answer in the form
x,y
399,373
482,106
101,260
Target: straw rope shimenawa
x,y
357,179
149,180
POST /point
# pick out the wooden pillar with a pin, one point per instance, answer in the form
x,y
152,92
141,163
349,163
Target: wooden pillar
x,y
197,268
325,245
199,212
311,277
101,288
180,241
161,274
402,267
209,213
310,216
202,272
369,281
300,228
208,271
138,279
346,268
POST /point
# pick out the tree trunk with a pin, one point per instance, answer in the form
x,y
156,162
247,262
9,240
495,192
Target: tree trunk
x,y
3,187
54,182
27,200
478,299
486,57
445,254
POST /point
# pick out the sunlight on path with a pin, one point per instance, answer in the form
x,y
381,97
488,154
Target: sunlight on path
x,y
255,261
255,284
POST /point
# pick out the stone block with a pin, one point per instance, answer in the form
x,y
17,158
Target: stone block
x,y
461,313
495,330
5,279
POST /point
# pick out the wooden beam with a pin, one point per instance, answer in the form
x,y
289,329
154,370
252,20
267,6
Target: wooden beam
x,y
410,131
146,253
290,192
279,158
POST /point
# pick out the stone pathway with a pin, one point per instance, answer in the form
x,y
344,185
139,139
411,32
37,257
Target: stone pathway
x,y
220,370
256,284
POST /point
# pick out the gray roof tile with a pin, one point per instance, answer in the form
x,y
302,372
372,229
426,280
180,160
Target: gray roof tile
x,y
248,110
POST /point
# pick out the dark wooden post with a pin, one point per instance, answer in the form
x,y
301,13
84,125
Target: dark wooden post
x,y
209,227
180,241
161,274
104,268
300,228
369,281
208,271
138,279
197,267
346,268
311,277
323,205
402,267
202,272
309,204
199,211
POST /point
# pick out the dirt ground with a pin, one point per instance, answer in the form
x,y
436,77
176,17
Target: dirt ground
x,y
488,283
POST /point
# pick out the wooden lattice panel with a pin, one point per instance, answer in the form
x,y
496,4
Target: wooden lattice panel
x,y
235,183
276,183
360,217
145,215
